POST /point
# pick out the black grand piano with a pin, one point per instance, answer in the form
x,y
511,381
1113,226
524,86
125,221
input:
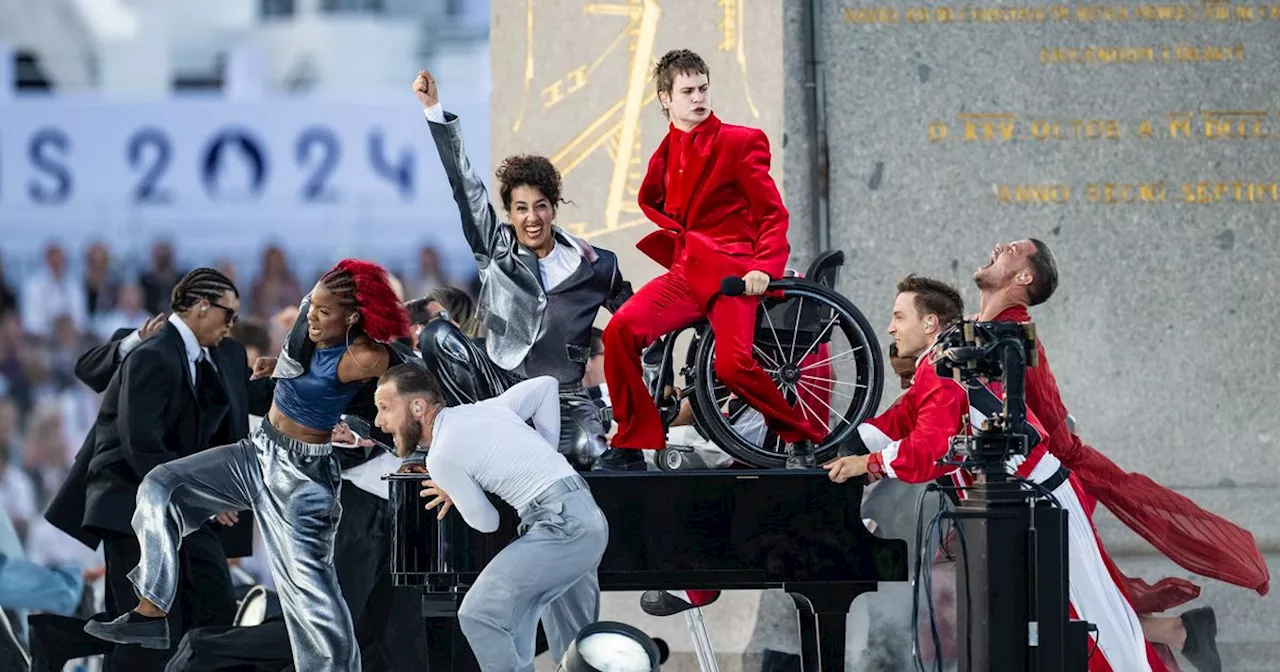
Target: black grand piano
x,y
716,529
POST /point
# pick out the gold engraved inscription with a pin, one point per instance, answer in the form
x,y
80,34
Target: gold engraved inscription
x,y
1154,192
1006,127
1141,12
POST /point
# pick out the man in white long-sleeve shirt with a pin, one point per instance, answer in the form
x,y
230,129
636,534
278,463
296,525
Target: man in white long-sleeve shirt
x,y
549,573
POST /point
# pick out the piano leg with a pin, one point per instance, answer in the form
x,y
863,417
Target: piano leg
x,y
821,613
808,623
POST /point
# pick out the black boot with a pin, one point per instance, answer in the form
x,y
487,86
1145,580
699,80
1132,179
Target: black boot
x,y
1201,647
621,459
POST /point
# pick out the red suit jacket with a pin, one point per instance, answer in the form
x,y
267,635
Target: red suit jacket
x,y
916,430
734,221
1197,540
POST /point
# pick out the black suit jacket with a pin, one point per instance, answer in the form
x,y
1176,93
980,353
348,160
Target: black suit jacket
x,y
149,416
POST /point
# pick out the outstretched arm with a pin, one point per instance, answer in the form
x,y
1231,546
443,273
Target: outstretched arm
x,y
96,366
536,400
479,221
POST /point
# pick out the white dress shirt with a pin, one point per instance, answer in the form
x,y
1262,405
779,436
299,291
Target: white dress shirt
x,y
487,447
192,346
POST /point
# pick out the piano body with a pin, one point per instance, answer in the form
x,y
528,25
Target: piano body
x,y
717,529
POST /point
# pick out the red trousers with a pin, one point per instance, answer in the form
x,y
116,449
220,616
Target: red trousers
x,y
662,306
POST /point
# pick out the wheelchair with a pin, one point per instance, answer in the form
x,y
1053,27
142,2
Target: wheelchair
x,y
812,341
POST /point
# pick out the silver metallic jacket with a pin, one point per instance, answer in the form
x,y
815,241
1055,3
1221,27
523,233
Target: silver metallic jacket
x,y
531,331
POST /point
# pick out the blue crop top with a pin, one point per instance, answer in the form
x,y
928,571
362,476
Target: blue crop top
x,y
317,398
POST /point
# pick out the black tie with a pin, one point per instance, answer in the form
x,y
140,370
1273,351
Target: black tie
x,y
208,386
211,397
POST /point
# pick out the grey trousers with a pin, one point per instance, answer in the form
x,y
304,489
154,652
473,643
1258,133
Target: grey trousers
x,y
549,573
292,488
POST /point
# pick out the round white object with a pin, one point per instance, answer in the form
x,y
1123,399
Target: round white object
x,y
614,652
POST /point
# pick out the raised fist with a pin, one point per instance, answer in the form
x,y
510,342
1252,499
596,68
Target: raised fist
x,y
264,366
425,88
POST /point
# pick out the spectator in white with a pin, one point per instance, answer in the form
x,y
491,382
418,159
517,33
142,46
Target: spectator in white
x,y
158,280
100,284
127,314
275,287
45,451
64,346
53,291
429,274
17,493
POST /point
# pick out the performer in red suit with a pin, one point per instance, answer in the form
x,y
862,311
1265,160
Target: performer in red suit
x,y
719,214
1025,273
908,440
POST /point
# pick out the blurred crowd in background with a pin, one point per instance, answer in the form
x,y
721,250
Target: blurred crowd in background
x,y
51,316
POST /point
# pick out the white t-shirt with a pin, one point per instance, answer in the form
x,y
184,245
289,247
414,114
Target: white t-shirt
x,y
559,265
487,447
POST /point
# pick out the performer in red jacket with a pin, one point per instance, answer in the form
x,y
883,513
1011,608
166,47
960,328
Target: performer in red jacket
x,y
1025,273
909,439
719,214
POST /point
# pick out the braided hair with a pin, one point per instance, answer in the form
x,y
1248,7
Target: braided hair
x,y
207,284
364,287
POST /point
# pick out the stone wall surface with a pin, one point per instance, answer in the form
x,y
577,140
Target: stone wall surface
x,y
1138,140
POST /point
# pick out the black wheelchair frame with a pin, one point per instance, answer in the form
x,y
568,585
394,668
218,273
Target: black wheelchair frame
x,y
813,323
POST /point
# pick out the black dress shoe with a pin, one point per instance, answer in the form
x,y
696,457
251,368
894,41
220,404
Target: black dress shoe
x,y
622,459
132,628
662,603
1201,647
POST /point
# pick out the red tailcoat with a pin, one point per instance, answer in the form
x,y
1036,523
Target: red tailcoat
x,y
734,220
1196,539
922,421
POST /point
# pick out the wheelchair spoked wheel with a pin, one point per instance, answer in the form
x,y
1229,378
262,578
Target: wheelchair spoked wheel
x,y
822,355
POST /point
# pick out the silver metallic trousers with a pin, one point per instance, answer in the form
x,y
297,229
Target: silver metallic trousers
x,y
292,487
549,573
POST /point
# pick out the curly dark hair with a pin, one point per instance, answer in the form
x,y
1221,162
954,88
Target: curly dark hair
x,y
527,170
677,62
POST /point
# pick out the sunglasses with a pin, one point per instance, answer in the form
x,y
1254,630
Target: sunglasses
x,y
232,316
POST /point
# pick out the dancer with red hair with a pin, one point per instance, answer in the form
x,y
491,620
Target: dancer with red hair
x,y
286,473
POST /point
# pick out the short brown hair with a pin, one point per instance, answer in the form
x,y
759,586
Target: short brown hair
x,y
531,171
1044,274
934,297
413,380
677,62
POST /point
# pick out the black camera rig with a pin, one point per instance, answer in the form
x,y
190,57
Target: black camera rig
x,y
1011,573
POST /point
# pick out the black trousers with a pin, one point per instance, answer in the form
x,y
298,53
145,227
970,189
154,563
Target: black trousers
x,y
205,596
389,626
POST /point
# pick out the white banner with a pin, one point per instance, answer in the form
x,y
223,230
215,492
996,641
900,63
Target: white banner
x,y
228,175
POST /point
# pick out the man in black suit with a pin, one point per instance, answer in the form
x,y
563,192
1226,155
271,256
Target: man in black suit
x,y
180,391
